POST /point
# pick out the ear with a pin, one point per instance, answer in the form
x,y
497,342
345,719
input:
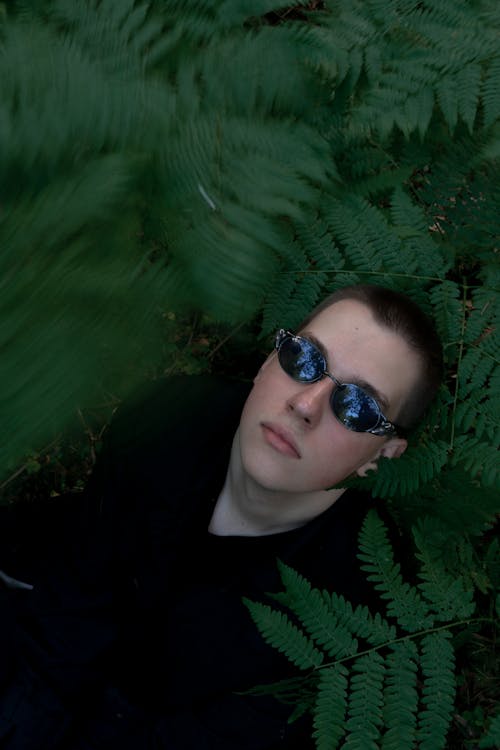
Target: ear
x,y
264,365
392,448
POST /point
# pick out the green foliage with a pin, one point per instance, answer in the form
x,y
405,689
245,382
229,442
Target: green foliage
x,y
400,696
437,664
283,634
492,738
378,681
340,144
242,160
330,707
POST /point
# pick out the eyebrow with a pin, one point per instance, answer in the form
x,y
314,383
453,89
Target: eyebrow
x,y
368,387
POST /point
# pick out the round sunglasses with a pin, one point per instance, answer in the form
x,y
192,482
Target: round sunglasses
x,y
352,405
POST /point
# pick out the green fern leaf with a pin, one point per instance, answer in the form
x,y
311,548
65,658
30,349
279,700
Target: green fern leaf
x,y
421,112
491,564
372,628
451,552
277,309
437,664
279,632
364,713
411,471
348,226
468,87
447,94
478,458
481,315
369,242
400,697
480,414
448,312
319,246
474,371
330,708
491,93
446,593
411,225
404,602
314,615
492,737
463,503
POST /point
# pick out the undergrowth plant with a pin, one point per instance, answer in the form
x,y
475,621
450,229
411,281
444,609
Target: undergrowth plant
x,y
243,160
371,680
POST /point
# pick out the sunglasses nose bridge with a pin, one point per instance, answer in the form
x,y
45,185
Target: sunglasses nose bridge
x,y
334,380
309,401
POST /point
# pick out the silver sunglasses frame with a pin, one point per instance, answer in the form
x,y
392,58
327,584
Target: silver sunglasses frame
x,y
383,426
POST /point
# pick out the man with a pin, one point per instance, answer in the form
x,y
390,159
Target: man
x,y
142,640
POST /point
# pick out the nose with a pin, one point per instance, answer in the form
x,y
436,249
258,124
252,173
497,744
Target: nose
x,y
309,401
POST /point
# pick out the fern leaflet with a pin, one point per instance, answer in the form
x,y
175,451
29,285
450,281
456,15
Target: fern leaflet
x,y
400,697
404,602
364,713
372,628
492,737
437,664
446,594
330,708
314,615
277,630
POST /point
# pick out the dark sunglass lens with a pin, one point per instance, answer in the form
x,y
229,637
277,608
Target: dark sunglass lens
x,y
355,408
301,360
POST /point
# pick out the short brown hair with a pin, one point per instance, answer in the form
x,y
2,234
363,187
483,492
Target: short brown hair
x,y
400,314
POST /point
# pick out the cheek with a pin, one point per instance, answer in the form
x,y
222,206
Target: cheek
x,y
339,454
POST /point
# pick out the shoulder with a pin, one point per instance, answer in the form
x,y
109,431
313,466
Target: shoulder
x,y
169,435
175,409
328,555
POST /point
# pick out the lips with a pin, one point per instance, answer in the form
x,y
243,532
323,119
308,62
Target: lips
x,y
280,439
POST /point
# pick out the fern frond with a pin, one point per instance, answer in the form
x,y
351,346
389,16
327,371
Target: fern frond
x,y
437,664
411,224
330,708
364,713
463,502
492,737
319,245
411,472
491,564
480,413
451,552
448,311
478,458
491,93
474,370
314,615
277,307
278,631
293,690
364,234
404,602
445,593
400,697
447,96
372,628
306,295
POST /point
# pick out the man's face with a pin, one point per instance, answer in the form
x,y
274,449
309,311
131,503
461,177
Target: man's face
x,y
289,438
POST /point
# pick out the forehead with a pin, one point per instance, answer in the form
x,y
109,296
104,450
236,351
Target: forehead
x,y
358,348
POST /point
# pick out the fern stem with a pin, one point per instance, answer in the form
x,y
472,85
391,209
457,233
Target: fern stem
x,y
365,273
459,362
409,637
486,354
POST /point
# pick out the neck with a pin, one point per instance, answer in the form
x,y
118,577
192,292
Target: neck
x,y
245,508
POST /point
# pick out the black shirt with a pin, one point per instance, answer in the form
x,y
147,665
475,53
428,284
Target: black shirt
x,y
136,635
